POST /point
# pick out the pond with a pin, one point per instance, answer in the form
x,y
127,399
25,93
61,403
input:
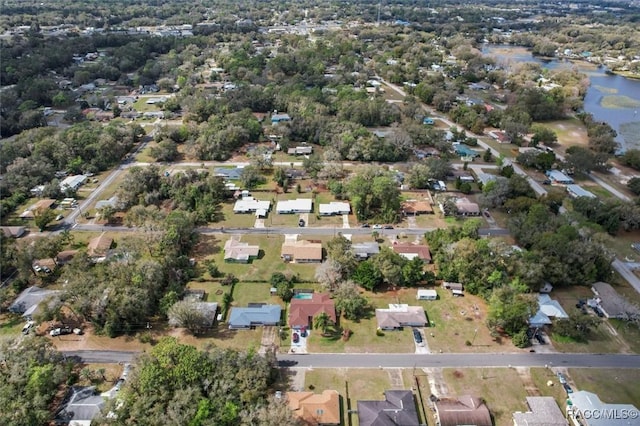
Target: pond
x,y
610,98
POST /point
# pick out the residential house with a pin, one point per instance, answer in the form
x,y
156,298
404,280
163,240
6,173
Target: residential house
x,y
316,409
238,252
300,150
279,118
410,251
334,208
426,294
208,310
399,316
65,257
558,178
41,205
577,191
13,231
365,250
28,301
249,204
464,151
465,410
500,136
416,207
299,205
485,178
301,251
295,173
99,247
548,309
111,202
582,402
80,407
397,409
610,302
303,309
229,173
254,316
543,411
72,182
464,207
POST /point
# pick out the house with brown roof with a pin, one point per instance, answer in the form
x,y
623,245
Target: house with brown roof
x,y
411,250
465,207
13,231
399,316
43,204
416,207
303,309
301,251
236,251
316,409
464,410
65,257
99,247
397,409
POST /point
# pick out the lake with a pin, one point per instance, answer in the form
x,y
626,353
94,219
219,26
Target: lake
x,y
610,98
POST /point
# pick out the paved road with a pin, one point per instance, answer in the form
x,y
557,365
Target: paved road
x,y
415,360
608,187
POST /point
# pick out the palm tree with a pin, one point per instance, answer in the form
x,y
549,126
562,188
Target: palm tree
x,y
322,321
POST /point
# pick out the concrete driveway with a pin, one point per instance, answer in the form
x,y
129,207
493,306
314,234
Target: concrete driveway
x,y
301,346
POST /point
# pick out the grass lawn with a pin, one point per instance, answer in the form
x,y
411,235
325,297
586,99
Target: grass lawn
x,y
361,384
233,220
540,377
260,269
611,336
501,388
10,324
619,386
103,376
570,131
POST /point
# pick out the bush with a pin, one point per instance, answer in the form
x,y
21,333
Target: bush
x,y
521,340
467,343
146,337
379,333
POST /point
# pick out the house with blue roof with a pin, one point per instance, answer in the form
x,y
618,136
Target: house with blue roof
x,y
254,316
279,118
465,151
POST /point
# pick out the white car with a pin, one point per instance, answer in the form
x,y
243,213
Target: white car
x,y
377,226
27,327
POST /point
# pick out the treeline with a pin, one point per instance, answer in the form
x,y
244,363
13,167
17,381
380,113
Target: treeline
x,y
33,157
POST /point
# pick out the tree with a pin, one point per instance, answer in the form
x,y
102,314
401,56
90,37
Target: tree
x,y
413,272
186,313
367,275
390,265
349,301
634,185
577,326
329,274
543,135
322,322
42,218
250,177
510,309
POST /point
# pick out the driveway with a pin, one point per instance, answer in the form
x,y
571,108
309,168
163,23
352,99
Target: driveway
x,y
301,346
305,217
411,222
421,348
345,221
259,223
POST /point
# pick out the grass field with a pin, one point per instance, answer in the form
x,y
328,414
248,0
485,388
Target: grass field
x,y
619,386
501,388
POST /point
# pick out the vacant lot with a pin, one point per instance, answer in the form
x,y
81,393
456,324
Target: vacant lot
x,y
619,386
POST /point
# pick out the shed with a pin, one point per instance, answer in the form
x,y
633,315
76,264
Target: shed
x,y
427,294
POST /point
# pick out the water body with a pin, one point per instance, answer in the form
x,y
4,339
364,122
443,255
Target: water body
x,y
610,98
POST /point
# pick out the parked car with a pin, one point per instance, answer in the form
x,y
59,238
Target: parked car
x,y
377,226
303,332
37,268
46,269
364,225
562,379
60,331
59,217
296,338
388,227
27,327
301,223
540,339
417,336
567,388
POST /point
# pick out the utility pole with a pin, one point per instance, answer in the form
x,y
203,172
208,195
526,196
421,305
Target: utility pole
x,y
379,7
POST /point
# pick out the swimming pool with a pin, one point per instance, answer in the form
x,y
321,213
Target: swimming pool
x,y
304,296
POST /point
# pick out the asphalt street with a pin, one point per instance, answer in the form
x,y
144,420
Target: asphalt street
x,y
414,360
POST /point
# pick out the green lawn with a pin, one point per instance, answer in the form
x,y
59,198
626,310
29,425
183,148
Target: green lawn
x,y
619,386
501,388
259,269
